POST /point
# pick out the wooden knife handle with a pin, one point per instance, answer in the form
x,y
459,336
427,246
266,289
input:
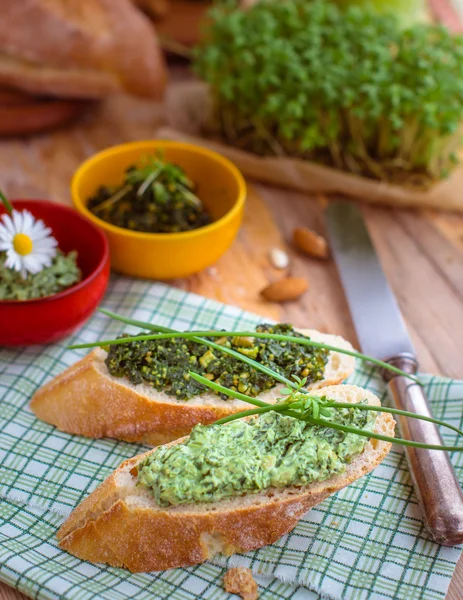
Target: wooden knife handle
x,y
434,478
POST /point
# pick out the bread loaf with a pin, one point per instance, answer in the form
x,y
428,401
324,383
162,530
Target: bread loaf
x,y
79,48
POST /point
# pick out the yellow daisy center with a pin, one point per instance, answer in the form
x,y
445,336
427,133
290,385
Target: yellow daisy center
x,y
22,244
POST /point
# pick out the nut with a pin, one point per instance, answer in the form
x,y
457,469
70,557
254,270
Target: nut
x,y
310,242
279,258
283,290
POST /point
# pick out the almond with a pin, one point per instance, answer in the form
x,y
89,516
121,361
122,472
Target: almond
x,y
279,258
310,242
283,290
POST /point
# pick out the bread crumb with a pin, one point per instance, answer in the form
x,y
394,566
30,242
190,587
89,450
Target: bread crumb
x,y
239,580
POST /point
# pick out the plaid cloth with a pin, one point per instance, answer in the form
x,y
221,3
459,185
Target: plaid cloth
x,y
366,542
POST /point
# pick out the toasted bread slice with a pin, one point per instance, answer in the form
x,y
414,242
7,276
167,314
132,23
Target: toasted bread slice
x,y
122,525
87,400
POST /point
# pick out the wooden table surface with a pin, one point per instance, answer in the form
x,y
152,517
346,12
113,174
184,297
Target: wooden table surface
x,y
421,251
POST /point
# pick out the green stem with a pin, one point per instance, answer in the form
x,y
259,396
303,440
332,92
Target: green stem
x,y
395,411
288,410
223,390
238,355
248,413
384,438
6,203
194,335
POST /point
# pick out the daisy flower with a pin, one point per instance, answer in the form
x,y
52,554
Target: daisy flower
x,y
28,243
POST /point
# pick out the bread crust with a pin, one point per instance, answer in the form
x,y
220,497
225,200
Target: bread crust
x,y
86,400
79,48
109,527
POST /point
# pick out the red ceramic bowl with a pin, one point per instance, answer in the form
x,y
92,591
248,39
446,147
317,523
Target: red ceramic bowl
x,y
48,319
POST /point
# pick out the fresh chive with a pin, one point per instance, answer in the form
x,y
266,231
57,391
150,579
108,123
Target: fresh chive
x,y
249,413
396,411
198,340
194,335
305,342
330,403
6,203
223,390
288,408
384,438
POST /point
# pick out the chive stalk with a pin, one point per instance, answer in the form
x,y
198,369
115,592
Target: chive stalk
x,y
297,408
287,409
328,404
166,333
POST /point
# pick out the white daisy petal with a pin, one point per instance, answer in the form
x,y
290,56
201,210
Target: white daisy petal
x,y
5,234
46,245
17,221
28,222
32,264
39,229
39,238
4,245
45,261
13,260
8,223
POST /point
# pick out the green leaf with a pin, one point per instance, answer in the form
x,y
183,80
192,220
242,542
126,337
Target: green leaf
x,y
286,390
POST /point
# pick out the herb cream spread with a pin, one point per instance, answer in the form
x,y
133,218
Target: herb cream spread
x,y
245,457
165,364
60,275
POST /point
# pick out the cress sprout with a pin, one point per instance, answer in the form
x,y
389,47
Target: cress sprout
x,y
351,89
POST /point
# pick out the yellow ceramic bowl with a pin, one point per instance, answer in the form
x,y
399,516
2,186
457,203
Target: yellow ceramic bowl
x,y
219,184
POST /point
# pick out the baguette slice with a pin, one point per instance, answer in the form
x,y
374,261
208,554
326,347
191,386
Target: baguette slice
x,y
122,525
87,400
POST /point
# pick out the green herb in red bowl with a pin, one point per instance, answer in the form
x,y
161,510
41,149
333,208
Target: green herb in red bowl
x,y
54,270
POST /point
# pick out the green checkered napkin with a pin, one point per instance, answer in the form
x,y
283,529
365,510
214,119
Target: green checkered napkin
x,y
366,542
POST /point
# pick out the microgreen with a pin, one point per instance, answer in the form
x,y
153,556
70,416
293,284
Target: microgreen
x,y
6,203
350,88
309,408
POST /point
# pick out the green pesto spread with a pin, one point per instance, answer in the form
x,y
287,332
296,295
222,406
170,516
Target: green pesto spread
x,y
60,275
165,364
245,457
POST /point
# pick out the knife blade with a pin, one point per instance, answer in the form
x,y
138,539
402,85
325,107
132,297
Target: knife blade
x,y
370,299
382,334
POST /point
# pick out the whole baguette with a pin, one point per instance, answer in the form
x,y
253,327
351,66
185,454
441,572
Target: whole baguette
x,y
79,48
87,400
122,525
